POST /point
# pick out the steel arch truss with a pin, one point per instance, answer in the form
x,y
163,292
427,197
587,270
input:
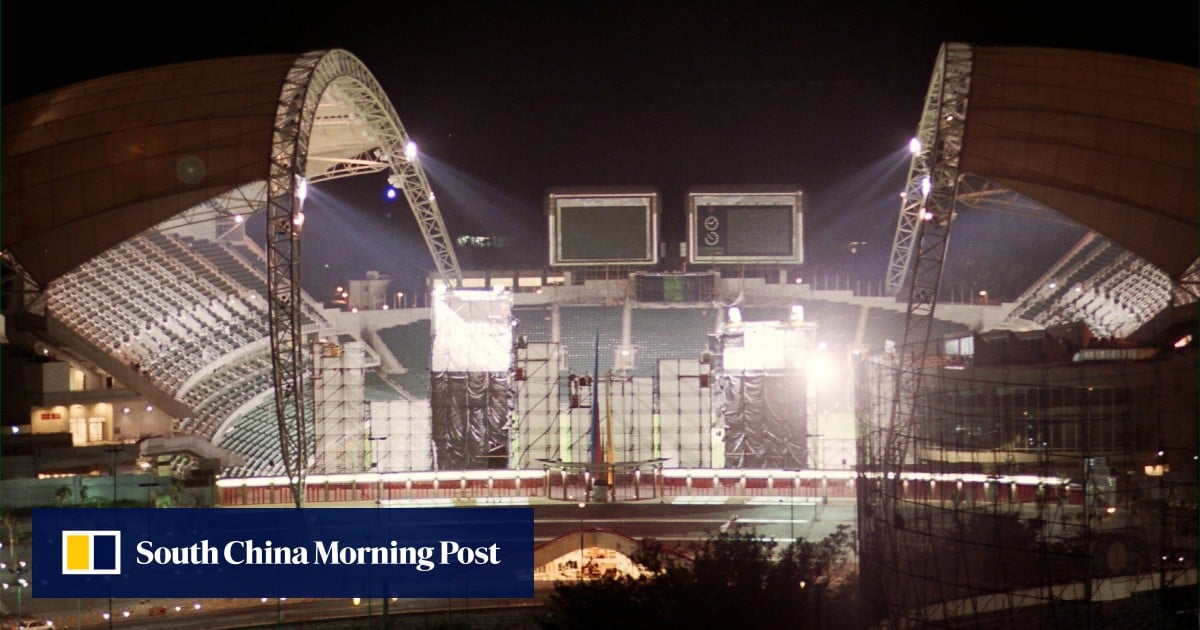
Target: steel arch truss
x,y
940,136
331,105
933,182
928,207
922,235
370,139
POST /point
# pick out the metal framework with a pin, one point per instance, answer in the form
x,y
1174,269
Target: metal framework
x,y
230,208
343,443
1003,489
25,294
977,193
1188,288
356,118
333,120
934,181
922,236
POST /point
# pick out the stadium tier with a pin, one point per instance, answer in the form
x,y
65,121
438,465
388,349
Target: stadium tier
x,y
410,344
669,333
579,328
256,437
188,317
1100,283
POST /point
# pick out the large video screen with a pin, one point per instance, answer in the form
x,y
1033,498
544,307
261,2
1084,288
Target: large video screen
x,y
744,231
592,233
603,229
745,228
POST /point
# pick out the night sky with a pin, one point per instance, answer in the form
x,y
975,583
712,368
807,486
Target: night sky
x,y
508,99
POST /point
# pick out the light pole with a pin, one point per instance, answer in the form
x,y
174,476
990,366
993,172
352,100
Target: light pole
x,y
374,465
112,451
373,458
792,509
112,469
579,570
18,571
278,608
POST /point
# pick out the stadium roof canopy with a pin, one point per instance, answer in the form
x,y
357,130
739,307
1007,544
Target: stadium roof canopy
x,y
91,165
1108,140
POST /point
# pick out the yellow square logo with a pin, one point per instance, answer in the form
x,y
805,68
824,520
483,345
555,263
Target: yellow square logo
x,y
91,552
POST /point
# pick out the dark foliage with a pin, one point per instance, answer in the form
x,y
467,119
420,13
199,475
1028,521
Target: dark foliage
x,y
732,580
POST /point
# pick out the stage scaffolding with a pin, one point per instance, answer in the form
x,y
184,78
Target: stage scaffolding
x,y
341,426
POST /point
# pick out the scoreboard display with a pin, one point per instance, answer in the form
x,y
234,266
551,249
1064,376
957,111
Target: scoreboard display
x,y
603,226
739,227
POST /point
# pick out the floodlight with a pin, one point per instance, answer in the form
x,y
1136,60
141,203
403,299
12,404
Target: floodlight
x,y
914,146
301,188
410,150
926,185
390,193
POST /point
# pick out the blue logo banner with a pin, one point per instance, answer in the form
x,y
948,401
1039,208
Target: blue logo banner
x,y
336,552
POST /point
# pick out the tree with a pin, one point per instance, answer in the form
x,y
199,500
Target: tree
x,y
732,580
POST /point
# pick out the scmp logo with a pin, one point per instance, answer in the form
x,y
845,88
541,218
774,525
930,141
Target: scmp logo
x,y
91,552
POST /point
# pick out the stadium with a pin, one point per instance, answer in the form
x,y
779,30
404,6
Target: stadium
x,y
159,349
